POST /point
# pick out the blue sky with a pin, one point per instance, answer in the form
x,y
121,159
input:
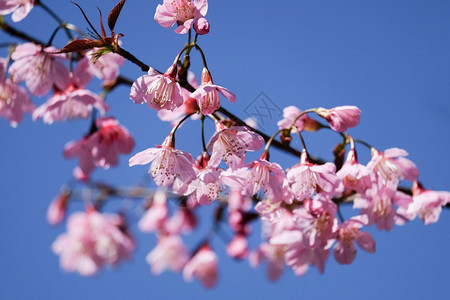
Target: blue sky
x,y
390,58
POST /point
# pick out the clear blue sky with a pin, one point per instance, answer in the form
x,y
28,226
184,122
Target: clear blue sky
x,y
390,58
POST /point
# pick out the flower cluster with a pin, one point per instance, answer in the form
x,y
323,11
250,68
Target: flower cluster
x,y
299,205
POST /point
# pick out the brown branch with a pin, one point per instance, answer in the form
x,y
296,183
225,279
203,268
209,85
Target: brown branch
x,y
19,34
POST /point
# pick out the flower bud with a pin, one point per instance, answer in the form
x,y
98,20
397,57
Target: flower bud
x,y
201,26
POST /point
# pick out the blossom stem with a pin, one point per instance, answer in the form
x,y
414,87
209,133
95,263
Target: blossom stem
x,y
363,143
202,54
301,139
202,118
269,142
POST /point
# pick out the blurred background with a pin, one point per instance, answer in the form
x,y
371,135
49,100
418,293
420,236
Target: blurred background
x,y
390,58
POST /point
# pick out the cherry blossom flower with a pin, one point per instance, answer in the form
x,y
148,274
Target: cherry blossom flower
x,y
261,175
182,221
354,176
14,101
274,254
230,144
39,68
203,266
307,178
238,247
348,233
391,166
427,204
93,240
207,94
189,105
378,204
18,8
156,215
300,258
341,118
290,113
269,211
106,67
160,91
170,253
100,148
317,221
201,26
169,166
181,12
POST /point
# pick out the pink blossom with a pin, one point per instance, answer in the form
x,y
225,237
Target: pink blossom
x,y
160,91
275,256
205,188
317,221
156,215
39,68
57,209
203,266
14,101
378,204
70,104
169,166
201,26
300,258
230,144
238,247
307,178
181,12
348,233
106,67
354,176
427,204
290,113
189,105
170,253
100,148
261,175
207,94
341,118
391,166
269,211
93,240
19,8
182,221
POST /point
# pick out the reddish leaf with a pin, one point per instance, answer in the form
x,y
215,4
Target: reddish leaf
x,y
114,14
80,45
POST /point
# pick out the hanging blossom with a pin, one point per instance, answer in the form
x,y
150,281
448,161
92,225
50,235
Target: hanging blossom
x,y
262,175
379,204
349,233
355,176
169,166
426,204
202,265
100,148
189,105
160,91
18,8
391,166
341,118
274,254
92,241
290,113
74,101
105,67
156,215
181,12
230,144
14,101
39,67
207,94
307,178
170,253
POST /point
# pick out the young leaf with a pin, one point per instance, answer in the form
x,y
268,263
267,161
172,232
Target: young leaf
x,y
80,45
114,14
